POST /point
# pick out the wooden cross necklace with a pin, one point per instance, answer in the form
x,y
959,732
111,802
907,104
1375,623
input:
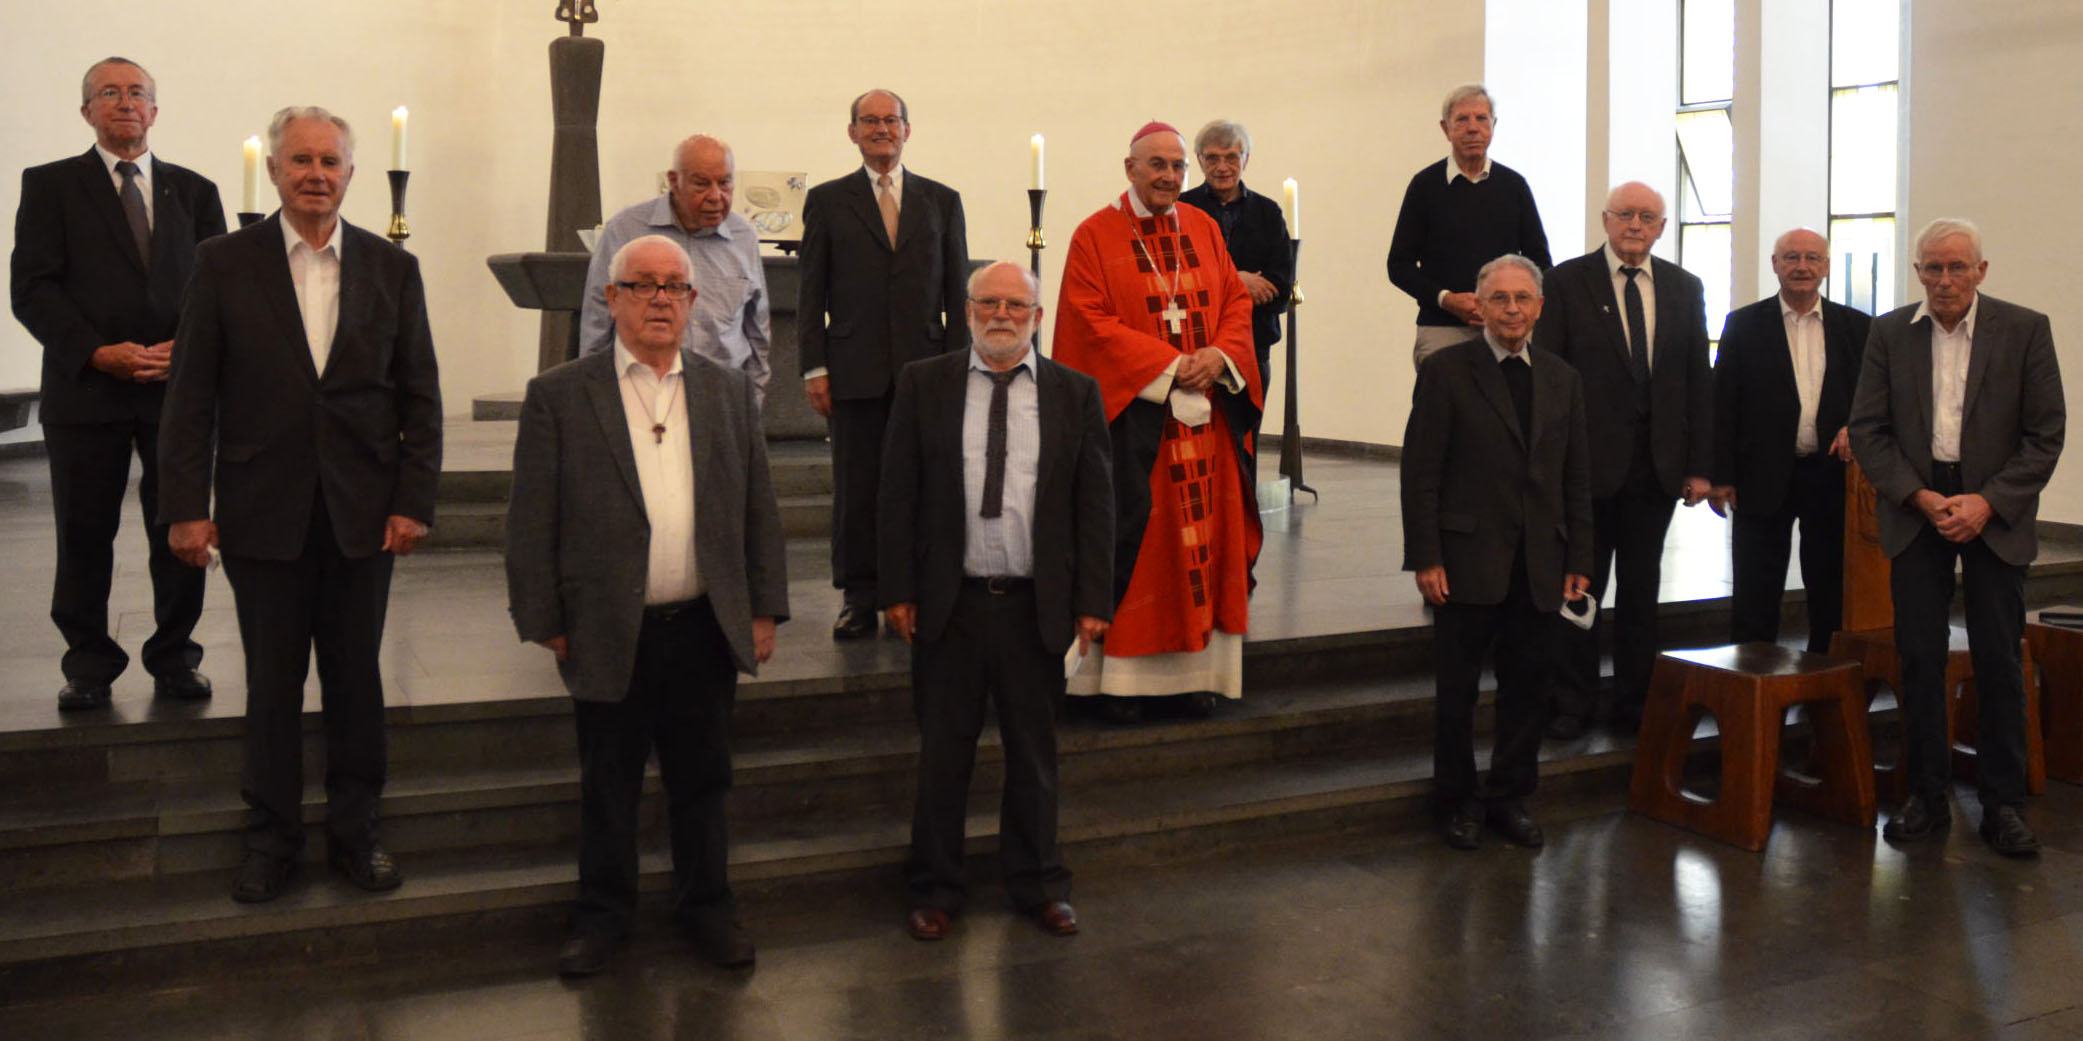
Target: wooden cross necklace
x,y
657,424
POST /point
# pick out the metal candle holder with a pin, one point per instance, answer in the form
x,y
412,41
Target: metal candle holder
x,y
1291,422
1035,240
399,230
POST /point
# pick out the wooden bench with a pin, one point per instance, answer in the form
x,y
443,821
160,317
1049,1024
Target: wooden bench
x,y
2058,651
1874,649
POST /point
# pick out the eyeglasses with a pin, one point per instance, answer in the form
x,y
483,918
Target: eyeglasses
x,y
114,93
647,290
1645,217
871,122
1935,270
991,304
1802,258
1502,299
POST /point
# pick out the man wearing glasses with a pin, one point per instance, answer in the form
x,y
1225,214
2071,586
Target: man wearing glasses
x,y
103,244
1252,228
1958,421
1635,328
646,553
885,253
728,323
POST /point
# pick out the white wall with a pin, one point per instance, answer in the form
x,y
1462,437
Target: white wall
x,y
1340,94
1535,64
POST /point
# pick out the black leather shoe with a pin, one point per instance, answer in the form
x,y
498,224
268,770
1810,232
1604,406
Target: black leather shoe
x,y
1566,726
1116,709
368,867
928,923
854,623
181,685
1511,820
82,696
261,878
1917,820
2007,834
1199,704
723,942
1057,918
587,954
1463,828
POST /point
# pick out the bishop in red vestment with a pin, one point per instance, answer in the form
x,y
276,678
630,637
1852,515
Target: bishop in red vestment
x,y
1152,308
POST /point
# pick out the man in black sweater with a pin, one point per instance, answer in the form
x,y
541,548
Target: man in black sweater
x,y
1458,214
1253,228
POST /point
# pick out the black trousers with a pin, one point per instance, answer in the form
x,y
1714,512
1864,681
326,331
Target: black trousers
x,y
1922,582
1759,544
1265,376
1523,638
991,654
857,432
90,471
1627,543
287,608
679,702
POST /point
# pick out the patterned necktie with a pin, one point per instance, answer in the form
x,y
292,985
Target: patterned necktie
x,y
994,446
134,211
1637,342
886,201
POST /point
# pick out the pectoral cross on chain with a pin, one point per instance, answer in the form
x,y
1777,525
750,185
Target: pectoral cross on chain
x,y
1174,316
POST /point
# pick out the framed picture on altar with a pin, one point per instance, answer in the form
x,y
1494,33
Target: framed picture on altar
x,y
773,201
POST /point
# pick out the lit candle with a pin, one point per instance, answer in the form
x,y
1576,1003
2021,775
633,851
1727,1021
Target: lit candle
x,y
1292,208
398,138
249,199
1036,143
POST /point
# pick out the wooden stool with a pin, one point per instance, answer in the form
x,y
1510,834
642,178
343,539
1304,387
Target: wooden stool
x,y
1748,688
1875,650
2058,651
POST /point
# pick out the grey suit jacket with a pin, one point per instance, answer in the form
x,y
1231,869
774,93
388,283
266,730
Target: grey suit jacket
x,y
2011,423
1477,490
577,539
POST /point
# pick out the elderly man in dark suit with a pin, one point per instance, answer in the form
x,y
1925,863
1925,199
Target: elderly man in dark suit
x,y
997,550
1782,396
644,547
1958,421
885,254
1635,329
305,367
103,243
1497,525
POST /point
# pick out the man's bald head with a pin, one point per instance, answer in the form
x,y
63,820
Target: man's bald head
x,y
1634,220
703,177
1801,260
1156,166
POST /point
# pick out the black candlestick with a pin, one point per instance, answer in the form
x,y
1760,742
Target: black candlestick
x,y
1291,422
399,230
1035,241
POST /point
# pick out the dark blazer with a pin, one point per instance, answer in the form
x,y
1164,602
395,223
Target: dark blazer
x,y
1757,404
1257,242
577,537
1477,492
78,283
367,430
1580,323
922,514
866,307
2011,424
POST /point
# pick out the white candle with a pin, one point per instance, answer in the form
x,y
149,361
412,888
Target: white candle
x,y
1036,143
398,138
1292,208
249,199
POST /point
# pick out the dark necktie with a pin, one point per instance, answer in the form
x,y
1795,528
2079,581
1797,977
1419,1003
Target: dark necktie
x,y
994,446
1637,338
1518,378
134,211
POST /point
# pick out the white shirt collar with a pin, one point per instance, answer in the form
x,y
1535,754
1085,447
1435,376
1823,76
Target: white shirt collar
x,y
1614,264
662,216
1135,205
1967,321
1454,169
1498,352
1786,310
336,242
977,363
624,358
110,159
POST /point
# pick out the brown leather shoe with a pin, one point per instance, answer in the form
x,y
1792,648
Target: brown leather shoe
x,y
1057,918
928,923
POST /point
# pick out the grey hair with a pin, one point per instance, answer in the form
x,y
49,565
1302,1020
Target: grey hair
x,y
1945,228
291,114
87,81
1033,284
1467,92
619,264
1223,132
853,112
1509,260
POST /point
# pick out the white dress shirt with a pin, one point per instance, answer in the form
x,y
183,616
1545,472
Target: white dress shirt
x,y
1001,545
1804,343
665,473
1949,356
316,274
144,175
1646,281
1454,170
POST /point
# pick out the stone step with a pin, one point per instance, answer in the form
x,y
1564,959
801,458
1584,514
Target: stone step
x,y
482,525
483,473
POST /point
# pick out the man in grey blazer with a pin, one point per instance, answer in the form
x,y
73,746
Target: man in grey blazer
x,y
644,547
1497,526
1958,421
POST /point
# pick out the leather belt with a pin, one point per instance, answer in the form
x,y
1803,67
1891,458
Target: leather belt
x,y
998,585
